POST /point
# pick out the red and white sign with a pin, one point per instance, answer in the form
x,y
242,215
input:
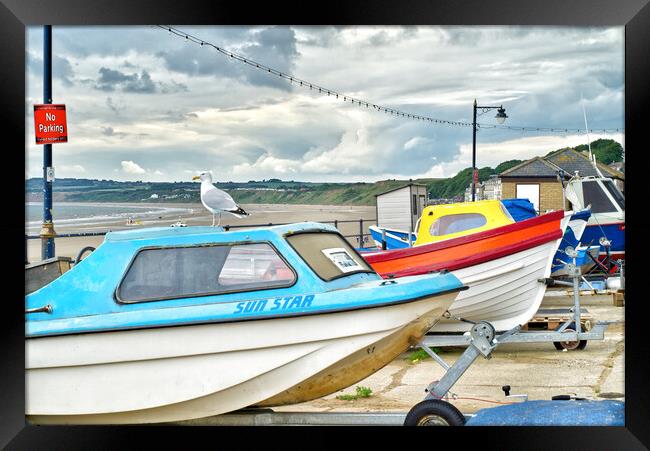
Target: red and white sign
x,y
475,176
50,124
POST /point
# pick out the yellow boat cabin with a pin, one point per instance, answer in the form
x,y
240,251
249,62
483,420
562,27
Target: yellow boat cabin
x,y
441,222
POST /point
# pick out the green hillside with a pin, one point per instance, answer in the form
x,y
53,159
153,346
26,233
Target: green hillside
x,y
607,151
275,191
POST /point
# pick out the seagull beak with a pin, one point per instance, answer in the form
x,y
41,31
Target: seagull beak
x,y
196,177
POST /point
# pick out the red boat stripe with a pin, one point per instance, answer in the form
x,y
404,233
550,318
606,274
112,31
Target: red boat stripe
x,y
526,223
477,258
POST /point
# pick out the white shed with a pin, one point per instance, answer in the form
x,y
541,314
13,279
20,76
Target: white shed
x,y
400,208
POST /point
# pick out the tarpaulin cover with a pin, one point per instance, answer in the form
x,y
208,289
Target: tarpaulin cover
x,y
519,209
552,413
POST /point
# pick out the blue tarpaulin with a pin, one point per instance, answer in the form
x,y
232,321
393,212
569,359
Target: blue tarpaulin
x,y
519,209
552,413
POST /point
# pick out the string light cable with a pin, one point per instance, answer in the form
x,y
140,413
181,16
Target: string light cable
x,y
360,102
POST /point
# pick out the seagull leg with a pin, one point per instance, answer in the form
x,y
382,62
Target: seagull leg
x,y
213,219
219,219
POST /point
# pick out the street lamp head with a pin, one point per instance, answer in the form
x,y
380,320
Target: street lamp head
x,y
501,115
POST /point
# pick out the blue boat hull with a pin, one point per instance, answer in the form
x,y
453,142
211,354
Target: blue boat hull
x,y
395,239
614,232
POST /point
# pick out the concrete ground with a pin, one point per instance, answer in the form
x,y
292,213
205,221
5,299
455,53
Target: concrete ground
x,y
537,369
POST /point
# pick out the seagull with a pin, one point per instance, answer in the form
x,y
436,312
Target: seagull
x,y
217,201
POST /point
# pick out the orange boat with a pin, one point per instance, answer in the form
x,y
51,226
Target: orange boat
x,y
502,266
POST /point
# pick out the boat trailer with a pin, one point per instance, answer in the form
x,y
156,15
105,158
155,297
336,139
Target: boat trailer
x,y
434,410
570,335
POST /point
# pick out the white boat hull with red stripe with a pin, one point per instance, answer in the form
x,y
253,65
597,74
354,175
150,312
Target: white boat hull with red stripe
x,y
505,291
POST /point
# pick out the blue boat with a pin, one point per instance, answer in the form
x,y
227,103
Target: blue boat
x,y
522,209
173,323
395,239
606,226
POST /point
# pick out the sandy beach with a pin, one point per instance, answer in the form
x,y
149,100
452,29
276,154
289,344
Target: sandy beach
x,y
195,214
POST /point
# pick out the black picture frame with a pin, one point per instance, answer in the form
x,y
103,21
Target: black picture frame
x,y
15,15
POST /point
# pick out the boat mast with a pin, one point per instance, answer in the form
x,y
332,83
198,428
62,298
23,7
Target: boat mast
x,y
591,156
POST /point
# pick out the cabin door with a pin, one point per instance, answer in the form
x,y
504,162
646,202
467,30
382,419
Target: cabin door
x,y
530,192
422,200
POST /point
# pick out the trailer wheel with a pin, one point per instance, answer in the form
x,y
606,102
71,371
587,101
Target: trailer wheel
x,y
434,412
570,345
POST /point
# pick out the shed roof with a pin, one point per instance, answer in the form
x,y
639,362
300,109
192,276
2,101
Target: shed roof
x,y
401,187
568,160
535,167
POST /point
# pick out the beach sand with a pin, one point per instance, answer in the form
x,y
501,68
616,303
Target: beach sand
x,y
197,215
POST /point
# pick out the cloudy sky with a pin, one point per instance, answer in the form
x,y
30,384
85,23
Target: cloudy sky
x,y
143,104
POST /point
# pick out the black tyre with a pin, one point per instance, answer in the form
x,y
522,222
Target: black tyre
x,y
434,412
569,345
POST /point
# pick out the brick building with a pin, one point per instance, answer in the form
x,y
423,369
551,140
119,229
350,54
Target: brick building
x,y
536,179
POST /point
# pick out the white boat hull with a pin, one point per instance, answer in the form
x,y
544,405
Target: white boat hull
x,y
504,291
185,372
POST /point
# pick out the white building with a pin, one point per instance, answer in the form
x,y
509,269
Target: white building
x,y
492,188
400,208
487,190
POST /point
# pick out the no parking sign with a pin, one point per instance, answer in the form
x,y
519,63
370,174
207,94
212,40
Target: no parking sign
x,y
50,124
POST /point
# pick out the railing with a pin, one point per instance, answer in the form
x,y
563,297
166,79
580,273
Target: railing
x,y
361,237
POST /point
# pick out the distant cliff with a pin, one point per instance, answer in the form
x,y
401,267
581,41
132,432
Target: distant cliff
x,y
276,191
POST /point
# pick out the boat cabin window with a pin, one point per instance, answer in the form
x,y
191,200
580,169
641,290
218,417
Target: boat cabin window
x,y
456,223
169,273
616,194
594,194
328,254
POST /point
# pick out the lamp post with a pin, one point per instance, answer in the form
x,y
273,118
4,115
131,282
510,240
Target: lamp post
x,y
500,117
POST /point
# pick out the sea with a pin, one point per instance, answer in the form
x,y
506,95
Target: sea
x,y
85,214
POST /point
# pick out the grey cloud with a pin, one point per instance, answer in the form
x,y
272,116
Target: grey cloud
x,y
274,46
142,84
445,68
196,60
84,41
178,116
116,108
610,78
173,87
110,131
61,67
321,36
383,37
110,79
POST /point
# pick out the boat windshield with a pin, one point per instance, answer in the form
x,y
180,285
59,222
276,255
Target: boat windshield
x,y
328,254
616,194
176,272
595,196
